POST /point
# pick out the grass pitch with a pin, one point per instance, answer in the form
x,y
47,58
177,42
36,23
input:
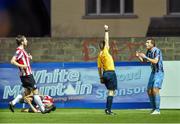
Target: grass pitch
x,y
90,116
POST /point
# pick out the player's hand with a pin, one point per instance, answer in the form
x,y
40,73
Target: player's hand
x,y
24,66
106,27
30,56
26,99
102,80
137,54
142,55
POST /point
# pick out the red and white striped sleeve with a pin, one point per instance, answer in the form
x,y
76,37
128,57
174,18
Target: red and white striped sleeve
x,y
18,54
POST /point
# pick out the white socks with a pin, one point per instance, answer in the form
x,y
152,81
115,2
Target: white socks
x,y
17,99
38,101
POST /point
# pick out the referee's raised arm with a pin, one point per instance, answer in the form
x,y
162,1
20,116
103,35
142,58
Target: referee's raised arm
x,y
106,37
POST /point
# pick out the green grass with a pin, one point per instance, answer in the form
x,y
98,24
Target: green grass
x,y
90,116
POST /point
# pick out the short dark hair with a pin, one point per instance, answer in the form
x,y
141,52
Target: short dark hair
x,y
102,44
152,41
20,39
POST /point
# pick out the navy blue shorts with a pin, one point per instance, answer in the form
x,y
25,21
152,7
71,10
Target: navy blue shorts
x,y
110,80
28,82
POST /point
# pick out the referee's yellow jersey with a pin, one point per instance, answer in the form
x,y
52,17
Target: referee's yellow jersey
x,y
105,60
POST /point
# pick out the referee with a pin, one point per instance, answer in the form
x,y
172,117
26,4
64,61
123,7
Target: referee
x,y
106,71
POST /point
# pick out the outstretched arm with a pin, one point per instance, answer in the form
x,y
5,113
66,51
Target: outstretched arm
x,y
106,37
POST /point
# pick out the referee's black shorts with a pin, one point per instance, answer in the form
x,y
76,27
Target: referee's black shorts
x,y
28,82
110,80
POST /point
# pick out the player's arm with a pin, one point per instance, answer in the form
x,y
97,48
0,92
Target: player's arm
x,y
28,99
154,61
139,57
25,110
30,56
100,70
106,37
14,62
30,104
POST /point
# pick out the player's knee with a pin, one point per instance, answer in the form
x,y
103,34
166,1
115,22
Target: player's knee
x,y
151,91
35,92
155,91
111,93
27,92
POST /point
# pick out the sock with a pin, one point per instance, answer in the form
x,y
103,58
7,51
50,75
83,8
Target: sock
x,y
17,99
157,101
38,101
152,102
109,102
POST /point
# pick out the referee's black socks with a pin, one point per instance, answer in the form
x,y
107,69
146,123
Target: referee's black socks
x,y
109,102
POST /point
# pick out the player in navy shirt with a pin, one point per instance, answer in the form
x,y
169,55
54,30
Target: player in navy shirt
x,y
154,56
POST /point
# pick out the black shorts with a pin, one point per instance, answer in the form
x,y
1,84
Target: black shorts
x,y
110,80
28,82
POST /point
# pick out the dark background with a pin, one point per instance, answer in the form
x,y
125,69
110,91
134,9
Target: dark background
x,y
27,17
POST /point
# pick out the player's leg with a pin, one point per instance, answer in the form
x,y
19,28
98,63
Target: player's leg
x,y
111,85
14,101
151,98
150,91
157,101
156,88
17,99
109,102
38,100
29,83
29,99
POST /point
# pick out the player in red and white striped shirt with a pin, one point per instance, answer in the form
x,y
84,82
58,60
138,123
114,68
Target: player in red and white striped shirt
x,y
47,101
22,60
